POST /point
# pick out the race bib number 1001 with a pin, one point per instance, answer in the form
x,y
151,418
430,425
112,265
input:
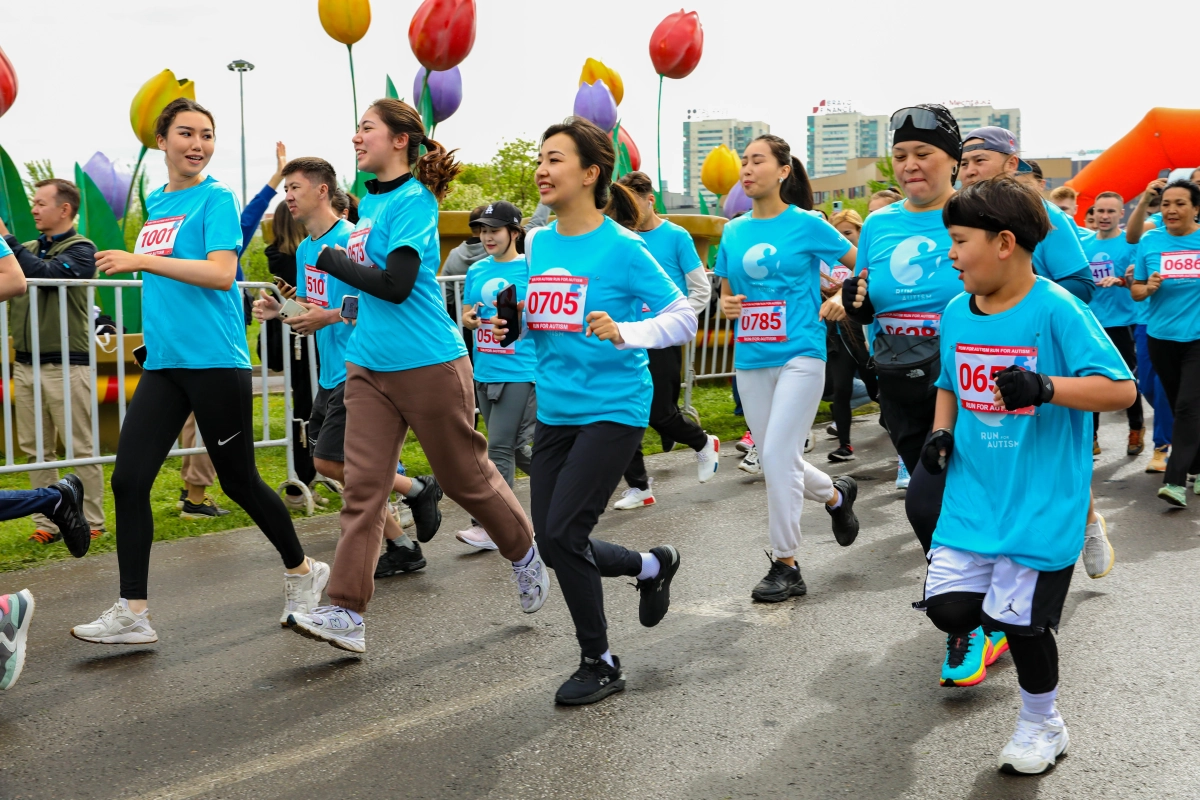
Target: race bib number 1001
x,y
555,303
763,321
158,236
977,365
1181,264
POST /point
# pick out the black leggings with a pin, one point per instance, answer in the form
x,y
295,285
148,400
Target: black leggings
x,y
846,353
575,470
1122,338
1035,655
221,400
666,364
1178,367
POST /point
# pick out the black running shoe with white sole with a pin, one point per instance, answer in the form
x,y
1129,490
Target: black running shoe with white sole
x,y
424,507
398,558
782,581
591,683
76,533
656,592
845,523
843,453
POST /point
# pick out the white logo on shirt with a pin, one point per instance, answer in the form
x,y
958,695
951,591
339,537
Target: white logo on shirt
x,y
903,268
491,289
760,261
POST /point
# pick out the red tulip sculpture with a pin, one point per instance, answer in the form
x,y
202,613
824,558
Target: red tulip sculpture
x,y
441,35
675,48
8,84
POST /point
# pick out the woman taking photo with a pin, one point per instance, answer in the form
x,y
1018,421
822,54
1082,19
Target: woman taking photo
x,y
504,388
770,260
406,367
196,360
1167,273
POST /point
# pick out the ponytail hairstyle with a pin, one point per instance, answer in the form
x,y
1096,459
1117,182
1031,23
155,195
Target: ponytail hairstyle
x,y
437,167
595,150
795,189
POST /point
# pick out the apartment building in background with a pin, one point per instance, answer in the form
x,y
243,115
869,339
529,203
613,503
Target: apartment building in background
x,y
836,133
971,117
700,137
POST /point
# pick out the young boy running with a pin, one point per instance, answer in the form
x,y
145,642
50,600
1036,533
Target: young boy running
x,y
1022,362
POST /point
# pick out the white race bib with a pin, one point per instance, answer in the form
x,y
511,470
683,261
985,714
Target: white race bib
x,y
763,321
158,236
357,247
832,276
486,342
1102,270
1180,264
910,323
555,303
976,366
316,286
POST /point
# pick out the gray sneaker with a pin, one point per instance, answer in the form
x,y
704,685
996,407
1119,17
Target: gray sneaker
x,y
118,625
1098,553
533,582
332,624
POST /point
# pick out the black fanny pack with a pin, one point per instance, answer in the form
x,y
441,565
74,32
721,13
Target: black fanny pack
x,y
899,355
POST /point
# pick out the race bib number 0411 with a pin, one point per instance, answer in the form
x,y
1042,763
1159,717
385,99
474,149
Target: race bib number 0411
x,y
1181,264
976,366
910,323
555,303
157,237
1102,270
763,321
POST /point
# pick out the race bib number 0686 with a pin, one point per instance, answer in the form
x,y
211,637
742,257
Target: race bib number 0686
x,y
1181,264
976,366
555,303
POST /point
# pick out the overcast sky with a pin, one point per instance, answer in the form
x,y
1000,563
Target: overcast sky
x,y
1082,77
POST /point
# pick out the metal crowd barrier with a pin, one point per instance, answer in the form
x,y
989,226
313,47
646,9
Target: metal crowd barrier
x,y
72,459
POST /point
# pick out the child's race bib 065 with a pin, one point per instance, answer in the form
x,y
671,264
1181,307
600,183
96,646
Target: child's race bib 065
x,y
555,303
157,237
977,365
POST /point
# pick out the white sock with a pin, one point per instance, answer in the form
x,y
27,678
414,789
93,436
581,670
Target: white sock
x,y
417,486
607,657
125,604
650,567
1039,704
524,561
838,504
402,541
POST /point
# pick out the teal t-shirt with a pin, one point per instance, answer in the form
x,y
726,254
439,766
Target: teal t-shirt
x,y
184,325
1060,254
580,379
322,289
495,364
776,264
1113,306
391,337
1175,308
1017,484
5,250
674,250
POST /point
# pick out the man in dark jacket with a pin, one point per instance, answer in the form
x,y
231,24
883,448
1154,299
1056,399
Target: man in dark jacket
x,y
59,253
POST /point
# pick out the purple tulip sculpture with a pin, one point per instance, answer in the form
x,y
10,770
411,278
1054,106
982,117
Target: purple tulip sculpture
x,y
445,89
594,102
112,181
736,201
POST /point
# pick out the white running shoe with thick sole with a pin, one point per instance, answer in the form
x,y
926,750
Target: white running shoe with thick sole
x,y
533,583
636,498
475,536
708,459
302,593
333,625
118,625
1035,745
1098,553
750,462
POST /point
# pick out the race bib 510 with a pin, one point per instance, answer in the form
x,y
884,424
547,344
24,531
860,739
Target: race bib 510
x,y
555,303
910,323
763,321
316,286
976,366
1180,264
158,236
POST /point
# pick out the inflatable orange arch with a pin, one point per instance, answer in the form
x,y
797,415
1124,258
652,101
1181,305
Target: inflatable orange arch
x,y
1166,137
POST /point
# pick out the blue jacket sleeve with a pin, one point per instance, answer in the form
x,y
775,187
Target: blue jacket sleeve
x,y
253,214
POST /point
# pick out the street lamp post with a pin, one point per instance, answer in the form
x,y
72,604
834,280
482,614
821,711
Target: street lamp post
x,y
241,66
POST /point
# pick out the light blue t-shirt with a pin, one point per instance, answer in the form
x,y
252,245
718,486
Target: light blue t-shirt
x,y
495,364
184,325
1060,254
1156,218
1175,307
776,264
580,379
322,289
674,250
1017,484
5,250
391,337
910,277
1114,306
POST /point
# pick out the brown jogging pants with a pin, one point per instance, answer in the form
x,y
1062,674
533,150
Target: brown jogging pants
x,y
438,403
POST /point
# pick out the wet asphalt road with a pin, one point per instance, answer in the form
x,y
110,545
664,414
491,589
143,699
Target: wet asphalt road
x,y
830,695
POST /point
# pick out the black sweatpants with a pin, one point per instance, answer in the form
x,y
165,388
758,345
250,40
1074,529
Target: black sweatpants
x,y
666,366
221,400
302,402
1034,655
846,353
1178,367
1122,338
575,470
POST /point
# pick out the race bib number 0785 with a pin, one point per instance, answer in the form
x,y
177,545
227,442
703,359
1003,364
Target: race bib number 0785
x,y
1181,264
763,321
555,303
976,366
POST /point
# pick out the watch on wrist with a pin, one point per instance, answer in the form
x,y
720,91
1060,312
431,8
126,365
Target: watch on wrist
x,y
1047,389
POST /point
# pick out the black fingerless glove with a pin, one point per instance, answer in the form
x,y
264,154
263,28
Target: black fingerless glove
x,y
1021,388
931,456
866,313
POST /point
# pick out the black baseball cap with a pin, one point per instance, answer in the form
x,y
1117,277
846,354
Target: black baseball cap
x,y
499,214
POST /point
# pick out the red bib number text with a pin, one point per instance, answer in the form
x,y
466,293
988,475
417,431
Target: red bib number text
x,y
555,303
976,366
1181,264
910,323
763,321
158,236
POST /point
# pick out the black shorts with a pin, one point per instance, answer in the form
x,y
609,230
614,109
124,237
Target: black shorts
x,y
327,425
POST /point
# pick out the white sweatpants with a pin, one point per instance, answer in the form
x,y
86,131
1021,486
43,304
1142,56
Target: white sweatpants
x,y
780,405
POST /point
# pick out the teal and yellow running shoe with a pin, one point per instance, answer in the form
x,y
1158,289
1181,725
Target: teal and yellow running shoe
x,y
15,612
999,643
966,659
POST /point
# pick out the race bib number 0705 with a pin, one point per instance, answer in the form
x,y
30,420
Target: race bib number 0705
x,y
555,303
976,366
1181,264
763,321
157,237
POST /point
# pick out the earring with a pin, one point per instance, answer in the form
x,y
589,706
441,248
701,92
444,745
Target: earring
x,y
781,180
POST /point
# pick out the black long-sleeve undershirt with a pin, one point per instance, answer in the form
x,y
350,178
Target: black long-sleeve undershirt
x,y
393,284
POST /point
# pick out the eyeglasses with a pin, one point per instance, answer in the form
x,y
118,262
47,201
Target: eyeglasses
x,y
921,118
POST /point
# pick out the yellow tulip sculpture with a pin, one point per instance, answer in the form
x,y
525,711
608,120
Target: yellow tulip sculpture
x,y
594,70
151,99
346,21
720,171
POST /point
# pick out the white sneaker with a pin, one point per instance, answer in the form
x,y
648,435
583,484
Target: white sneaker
x,y
636,498
118,625
402,514
475,536
1035,745
708,459
533,582
750,462
332,624
809,445
1098,553
302,593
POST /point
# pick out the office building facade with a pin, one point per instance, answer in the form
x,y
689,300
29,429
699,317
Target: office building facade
x,y
833,138
701,137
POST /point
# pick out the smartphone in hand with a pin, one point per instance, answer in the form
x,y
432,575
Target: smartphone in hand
x,y
349,307
507,310
291,309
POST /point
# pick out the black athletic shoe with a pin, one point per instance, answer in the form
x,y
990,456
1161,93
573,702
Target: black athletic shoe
x,y
183,493
845,523
591,683
781,583
843,453
656,592
76,532
669,445
203,510
425,511
397,559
